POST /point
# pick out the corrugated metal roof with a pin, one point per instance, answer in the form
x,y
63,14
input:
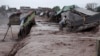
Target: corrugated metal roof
x,y
84,11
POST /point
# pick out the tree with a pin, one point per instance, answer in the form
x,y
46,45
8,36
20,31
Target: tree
x,y
91,6
56,8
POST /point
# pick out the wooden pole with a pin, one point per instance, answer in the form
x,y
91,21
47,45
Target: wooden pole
x,y
11,33
5,34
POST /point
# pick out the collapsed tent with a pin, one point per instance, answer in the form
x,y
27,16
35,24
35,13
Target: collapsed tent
x,y
77,19
26,24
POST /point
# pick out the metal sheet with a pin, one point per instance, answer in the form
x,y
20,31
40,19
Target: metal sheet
x,y
84,11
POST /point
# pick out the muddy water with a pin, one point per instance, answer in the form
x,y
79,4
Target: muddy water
x,y
45,39
46,26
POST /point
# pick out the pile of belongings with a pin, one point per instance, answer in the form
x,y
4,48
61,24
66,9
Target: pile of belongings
x,y
75,18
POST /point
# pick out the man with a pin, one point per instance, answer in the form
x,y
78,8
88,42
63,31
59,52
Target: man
x,y
26,24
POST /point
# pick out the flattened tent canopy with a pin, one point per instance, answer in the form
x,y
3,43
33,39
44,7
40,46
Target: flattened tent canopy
x,y
65,8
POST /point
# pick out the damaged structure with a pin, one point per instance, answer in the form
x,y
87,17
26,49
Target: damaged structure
x,y
27,21
77,19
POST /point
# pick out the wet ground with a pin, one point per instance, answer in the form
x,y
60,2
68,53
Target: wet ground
x,y
45,39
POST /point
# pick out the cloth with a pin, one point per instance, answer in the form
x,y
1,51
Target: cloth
x,y
26,25
30,18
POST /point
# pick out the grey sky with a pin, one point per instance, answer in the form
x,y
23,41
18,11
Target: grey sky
x,y
46,3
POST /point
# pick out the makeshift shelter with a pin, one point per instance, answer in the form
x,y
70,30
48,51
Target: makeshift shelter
x,y
14,18
77,19
26,24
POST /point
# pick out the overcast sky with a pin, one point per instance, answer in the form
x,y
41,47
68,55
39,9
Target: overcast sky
x,y
46,3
